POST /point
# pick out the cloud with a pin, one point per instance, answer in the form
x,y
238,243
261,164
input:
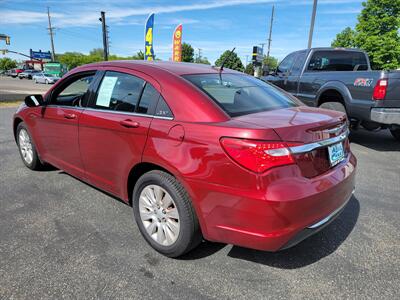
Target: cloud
x,y
88,16
23,16
341,11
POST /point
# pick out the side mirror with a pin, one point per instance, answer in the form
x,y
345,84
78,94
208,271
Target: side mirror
x,y
34,100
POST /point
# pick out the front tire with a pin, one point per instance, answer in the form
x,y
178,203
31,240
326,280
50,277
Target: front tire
x,y
27,148
164,214
395,133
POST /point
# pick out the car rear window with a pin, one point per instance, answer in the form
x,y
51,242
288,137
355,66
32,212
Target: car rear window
x,y
338,61
241,94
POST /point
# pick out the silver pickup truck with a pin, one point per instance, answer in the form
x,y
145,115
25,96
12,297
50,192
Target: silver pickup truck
x,y
342,79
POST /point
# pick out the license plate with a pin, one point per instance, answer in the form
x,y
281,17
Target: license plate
x,y
336,153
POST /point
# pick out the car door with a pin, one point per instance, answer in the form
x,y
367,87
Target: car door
x,y
282,72
292,82
58,123
113,129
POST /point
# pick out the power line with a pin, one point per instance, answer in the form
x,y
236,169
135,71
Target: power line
x,y
51,33
270,32
310,34
102,19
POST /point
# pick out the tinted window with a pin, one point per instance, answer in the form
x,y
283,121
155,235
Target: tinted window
x,y
148,100
74,92
299,62
286,63
241,94
162,109
119,92
338,61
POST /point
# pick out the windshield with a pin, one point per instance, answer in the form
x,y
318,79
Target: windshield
x,y
240,94
48,75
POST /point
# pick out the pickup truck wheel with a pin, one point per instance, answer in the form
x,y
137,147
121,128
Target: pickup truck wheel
x,y
395,133
334,106
164,214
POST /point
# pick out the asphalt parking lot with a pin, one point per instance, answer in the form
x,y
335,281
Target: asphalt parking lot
x,y
61,238
12,89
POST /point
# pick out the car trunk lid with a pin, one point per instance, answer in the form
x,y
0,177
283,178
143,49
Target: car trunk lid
x,y
308,132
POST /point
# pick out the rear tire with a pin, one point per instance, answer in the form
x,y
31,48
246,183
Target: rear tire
x,y
396,133
337,106
27,148
164,214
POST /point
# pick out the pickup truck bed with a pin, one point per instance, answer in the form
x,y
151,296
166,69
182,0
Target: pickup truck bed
x,y
342,79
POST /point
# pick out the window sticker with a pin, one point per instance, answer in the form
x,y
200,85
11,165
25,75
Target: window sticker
x,y
106,90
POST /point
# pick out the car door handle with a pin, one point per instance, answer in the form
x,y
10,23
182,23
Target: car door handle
x,y
70,116
129,123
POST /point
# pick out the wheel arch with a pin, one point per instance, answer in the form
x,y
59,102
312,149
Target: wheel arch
x,y
336,91
137,171
16,122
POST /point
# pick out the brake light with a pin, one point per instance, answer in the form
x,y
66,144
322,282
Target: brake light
x,y
380,89
257,156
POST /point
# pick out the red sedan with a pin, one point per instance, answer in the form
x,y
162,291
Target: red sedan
x,y
197,151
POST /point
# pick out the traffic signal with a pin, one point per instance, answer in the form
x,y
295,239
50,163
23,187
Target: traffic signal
x,y
7,40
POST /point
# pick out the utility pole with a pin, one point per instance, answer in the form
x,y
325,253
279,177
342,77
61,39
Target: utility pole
x,y
199,55
51,33
102,19
247,60
270,31
310,35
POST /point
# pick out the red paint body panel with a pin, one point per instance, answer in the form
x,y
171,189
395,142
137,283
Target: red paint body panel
x,y
234,205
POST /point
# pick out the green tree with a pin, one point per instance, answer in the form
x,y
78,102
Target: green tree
x,y
72,59
7,63
233,61
249,69
345,39
139,55
202,60
377,32
271,62
187,53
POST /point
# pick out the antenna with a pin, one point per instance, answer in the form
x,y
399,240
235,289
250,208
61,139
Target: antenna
x,y
223,63
226,58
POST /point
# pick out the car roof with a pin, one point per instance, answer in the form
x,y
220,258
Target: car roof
x,y
178,68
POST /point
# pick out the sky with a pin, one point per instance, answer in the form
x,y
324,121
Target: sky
x,y
211,25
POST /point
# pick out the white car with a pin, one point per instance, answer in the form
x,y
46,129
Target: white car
x,y
45,78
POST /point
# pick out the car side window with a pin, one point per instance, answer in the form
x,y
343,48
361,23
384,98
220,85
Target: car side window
x,y
162,109
119,92
338,61
286,63
149,99
74,93
299,63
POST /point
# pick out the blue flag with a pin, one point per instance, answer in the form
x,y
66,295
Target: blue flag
x,y
148,38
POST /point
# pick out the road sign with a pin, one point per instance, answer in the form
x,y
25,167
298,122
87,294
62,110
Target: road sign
x,y
257,56
40,55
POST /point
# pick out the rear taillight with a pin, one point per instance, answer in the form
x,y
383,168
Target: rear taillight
x,y
380,89
257,156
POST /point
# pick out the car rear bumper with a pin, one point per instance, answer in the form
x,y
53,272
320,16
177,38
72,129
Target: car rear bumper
x,y
281,211
386,115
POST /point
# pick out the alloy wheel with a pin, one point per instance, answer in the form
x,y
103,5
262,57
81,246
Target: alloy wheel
x,y
159,215
25,146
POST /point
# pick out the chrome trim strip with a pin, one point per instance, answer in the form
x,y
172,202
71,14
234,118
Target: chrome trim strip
x,y
312,146
65,106
326,219
335,129
112,111
119,112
